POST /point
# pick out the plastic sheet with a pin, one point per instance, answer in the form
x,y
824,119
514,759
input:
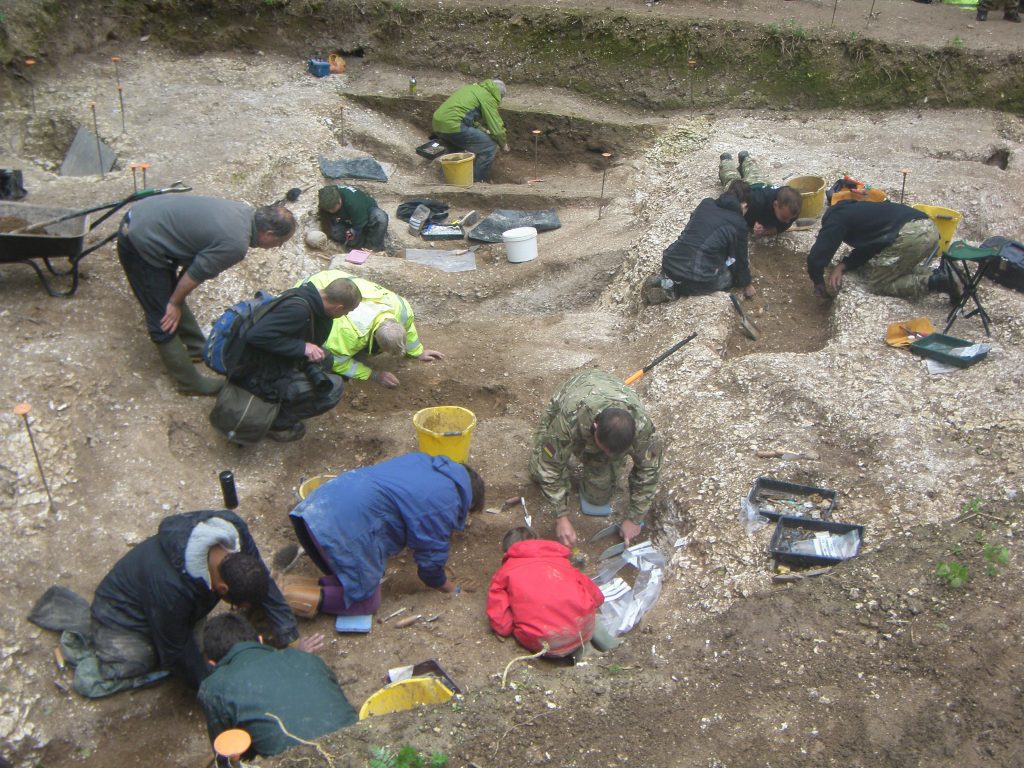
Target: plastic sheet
x,y
624,606
446,261
354,168
491,228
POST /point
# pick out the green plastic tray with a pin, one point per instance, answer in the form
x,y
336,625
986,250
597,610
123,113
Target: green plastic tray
x,y
940,347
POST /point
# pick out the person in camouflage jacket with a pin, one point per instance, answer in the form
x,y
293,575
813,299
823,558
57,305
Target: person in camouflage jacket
x,y
600,421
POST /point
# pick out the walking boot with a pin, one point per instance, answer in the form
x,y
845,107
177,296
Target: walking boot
x,y
943,280
288,434
1012,15
180,366
982,14
742,157
725,156
303,595
190,333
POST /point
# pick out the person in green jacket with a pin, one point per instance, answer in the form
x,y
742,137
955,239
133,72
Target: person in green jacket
x,y
456,122
383,322
250,679
351,217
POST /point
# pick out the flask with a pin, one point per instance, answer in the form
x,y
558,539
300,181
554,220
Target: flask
x,y
412,86
228,490
419,219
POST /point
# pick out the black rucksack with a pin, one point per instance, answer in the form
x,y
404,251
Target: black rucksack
x,y
1009,270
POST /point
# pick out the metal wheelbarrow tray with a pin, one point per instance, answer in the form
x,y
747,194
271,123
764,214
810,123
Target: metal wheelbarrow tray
x,y
63,240
59,234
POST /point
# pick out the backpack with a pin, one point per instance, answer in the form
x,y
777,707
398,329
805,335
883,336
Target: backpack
x,y
225,344
1009,269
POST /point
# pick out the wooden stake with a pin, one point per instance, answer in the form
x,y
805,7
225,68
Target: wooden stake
x,y
31,82
96,129
903,188
604,175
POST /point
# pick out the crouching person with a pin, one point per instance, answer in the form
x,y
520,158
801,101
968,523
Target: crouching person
x,y
538,597
140,626
250,682
284,360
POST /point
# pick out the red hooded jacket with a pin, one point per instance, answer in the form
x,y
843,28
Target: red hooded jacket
x,y
539,597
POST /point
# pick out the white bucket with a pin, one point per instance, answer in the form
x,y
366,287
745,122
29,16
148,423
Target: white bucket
x,y
520,244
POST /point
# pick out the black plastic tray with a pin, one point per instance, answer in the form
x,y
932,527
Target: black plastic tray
x,y
432,150
791,489
784,555
939,347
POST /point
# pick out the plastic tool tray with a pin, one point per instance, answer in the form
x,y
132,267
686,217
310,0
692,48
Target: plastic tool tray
x,y
801,541
948,349
774,498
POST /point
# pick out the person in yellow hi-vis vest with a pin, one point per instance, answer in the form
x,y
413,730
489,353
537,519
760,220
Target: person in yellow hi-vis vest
x,y
383,322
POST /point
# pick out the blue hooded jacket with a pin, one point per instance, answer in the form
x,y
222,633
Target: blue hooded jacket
x,y
365,516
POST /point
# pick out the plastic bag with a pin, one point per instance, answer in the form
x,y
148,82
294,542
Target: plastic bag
x,y
625,606
751,519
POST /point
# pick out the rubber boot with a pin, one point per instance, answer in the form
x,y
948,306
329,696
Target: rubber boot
x,y
982,14
190,333
179,365
303,595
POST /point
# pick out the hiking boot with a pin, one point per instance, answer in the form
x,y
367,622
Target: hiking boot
x,y
289,434
1012,15
742,156
944,280
982,14
654,292
725,156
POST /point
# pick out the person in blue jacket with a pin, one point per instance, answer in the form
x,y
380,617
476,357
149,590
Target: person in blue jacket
x,y
353,523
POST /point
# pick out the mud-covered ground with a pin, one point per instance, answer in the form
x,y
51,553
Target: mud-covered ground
x,y
877,663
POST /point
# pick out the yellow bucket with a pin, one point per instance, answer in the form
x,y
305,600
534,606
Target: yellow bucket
x,y
812,195
308,486
405,694
445,430
946,221
458,168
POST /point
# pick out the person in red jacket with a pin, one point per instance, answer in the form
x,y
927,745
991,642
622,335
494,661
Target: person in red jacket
x,y
538,597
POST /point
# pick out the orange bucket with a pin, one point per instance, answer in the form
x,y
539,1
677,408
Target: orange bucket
x,y
336,64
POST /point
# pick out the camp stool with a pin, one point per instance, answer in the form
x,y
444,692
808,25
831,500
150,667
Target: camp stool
x,y
959,258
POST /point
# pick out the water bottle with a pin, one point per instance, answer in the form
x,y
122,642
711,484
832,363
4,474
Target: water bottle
x,y
228,490
412,86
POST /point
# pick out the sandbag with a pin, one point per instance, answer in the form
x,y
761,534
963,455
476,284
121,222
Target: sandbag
x,y
240,416
59,610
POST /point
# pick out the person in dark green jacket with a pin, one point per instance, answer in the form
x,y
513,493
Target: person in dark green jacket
x,y
250,679
351,217
457,121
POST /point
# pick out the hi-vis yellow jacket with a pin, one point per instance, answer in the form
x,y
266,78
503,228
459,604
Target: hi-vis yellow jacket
x,y
353,333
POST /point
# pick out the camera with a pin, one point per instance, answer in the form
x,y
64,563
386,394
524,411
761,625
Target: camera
x,y
321,382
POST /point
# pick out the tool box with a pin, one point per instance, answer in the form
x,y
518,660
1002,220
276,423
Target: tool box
x,y
442,232
801,541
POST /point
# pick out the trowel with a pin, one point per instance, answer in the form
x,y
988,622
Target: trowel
x,y
605,532
748,327
512,501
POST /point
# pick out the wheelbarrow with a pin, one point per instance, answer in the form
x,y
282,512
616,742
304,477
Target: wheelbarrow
x,y
45,234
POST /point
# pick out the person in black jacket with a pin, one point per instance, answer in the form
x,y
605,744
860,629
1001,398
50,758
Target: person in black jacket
x,y
284,360
891,241
144,612
710,254
772,209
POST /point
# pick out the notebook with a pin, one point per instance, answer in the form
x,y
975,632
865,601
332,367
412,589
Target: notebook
x,y
360,623
357,256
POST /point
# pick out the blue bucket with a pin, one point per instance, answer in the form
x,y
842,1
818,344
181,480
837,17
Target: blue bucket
x,y
319,68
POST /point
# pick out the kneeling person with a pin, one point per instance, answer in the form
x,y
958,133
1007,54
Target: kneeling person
x,y
351,217
249,679
538,597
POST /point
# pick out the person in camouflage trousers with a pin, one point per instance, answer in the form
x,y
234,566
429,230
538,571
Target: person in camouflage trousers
x,y
891,243
600,421
1009,7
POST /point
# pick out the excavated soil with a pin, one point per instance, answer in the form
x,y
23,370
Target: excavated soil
x,y
878,663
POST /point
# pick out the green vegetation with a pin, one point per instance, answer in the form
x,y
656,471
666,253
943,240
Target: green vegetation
x,y
956,42
953,573
996,555
407,757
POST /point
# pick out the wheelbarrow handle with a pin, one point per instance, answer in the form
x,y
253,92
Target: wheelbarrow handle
x,y
175,187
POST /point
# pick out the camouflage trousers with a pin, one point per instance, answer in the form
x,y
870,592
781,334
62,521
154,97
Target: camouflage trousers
x,y
900,270
997,5
598,477
729,171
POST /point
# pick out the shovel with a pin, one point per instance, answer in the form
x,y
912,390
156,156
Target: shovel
x,y
748,327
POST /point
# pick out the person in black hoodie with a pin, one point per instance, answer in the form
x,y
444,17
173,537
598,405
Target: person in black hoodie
x,y
891,241
284,360
710,254
141,624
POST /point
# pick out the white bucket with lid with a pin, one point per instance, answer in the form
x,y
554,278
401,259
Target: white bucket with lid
x,y
520,244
